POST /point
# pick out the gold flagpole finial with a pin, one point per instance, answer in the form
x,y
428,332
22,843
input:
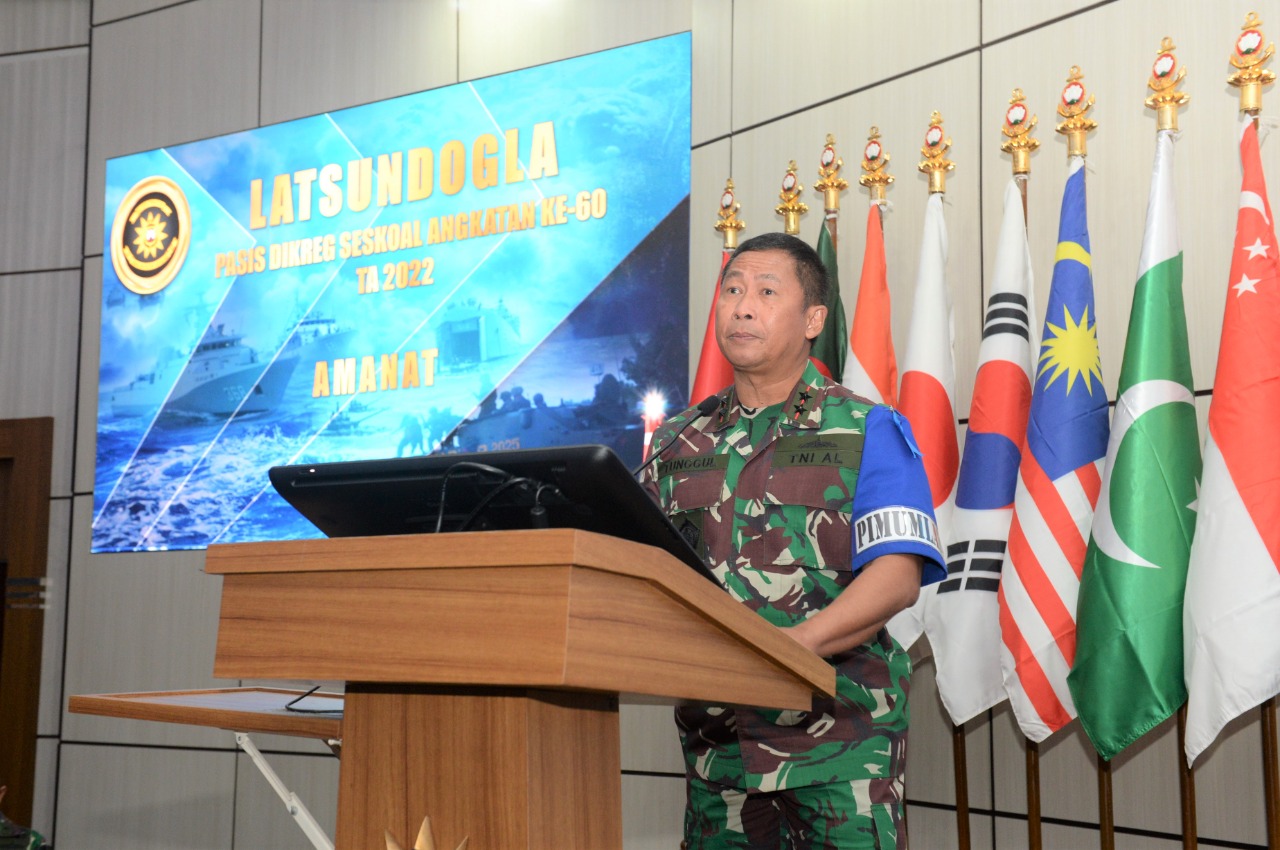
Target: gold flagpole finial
x,y
1018,124
1250,76
791,207
727,221
874,161
830,183
935,162
1166,74
1075,103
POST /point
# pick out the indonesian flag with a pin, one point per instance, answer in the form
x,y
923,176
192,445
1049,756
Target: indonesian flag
x,y
928,393
962,617
1231,639
871,369
714,372
1059,479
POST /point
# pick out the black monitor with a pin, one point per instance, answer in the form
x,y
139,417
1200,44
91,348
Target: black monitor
x,y
583,487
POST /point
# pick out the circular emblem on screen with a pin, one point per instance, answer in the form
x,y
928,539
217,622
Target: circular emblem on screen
x,y
150,235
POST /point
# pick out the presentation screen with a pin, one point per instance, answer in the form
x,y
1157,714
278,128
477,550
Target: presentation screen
x,y
493,265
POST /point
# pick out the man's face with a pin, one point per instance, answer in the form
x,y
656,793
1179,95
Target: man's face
x,y
762,324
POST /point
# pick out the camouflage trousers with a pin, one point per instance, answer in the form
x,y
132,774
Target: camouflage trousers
x,y
838,816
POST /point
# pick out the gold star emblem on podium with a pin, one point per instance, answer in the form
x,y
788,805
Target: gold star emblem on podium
x,y
426,840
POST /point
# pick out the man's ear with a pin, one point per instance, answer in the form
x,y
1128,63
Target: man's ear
x,y
816,317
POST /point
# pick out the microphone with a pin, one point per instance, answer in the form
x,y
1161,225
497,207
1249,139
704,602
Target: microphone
x,y
706,407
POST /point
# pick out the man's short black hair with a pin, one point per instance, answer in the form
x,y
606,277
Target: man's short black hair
x,y
809,268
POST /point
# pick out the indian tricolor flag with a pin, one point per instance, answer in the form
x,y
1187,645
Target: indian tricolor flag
x,y
1231,617
871,368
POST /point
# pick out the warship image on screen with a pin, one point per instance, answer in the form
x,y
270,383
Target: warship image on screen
x,y
493,265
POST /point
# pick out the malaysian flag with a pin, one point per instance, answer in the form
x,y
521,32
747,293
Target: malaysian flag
x,y
962,617
1058,483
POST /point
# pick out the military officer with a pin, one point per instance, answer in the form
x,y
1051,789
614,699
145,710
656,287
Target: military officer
x,y
811,506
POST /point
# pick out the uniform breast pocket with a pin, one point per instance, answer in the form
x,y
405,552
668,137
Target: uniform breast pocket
x,y
807,508
693,504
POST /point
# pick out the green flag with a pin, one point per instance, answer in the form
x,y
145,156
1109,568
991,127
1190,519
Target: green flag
x,y
832,344
1127,674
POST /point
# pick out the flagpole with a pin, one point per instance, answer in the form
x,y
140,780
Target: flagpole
x,y
1076,127
1165,99
790,206
1250,77
936,166
727,222
1020,144
1271,771
874,176
1021,175
1186,785
714,372
831,184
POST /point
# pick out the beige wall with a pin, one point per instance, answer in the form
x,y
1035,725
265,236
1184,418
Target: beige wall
x,y
81,81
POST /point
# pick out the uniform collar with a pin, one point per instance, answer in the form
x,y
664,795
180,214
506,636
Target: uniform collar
x,y
803,409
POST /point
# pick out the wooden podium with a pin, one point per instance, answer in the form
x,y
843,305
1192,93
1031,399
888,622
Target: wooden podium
x,y
484,670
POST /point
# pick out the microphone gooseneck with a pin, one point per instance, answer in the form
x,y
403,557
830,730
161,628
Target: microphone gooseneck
x,y
706,407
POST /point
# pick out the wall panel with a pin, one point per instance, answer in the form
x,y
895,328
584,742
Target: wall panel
x,y
1068,784
38,351
1002,18
930,755
136,798
41,198
1229,801
789,56
712,69
46,788
86,425
42,25
652,812
106,11
55,618
203,81
495,36
1013,834
650,741
1144,781
322,56
929,828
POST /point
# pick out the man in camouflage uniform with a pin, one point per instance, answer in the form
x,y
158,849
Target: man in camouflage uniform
x,y
792,489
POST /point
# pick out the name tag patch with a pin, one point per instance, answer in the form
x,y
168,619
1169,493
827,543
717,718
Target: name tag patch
x,y
819,450
895,524
688,465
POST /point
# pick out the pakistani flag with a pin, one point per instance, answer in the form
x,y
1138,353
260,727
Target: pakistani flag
x,y
829,348
1127,676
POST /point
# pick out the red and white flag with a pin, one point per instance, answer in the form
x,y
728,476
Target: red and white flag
x,y
1232,607
928,393
714,372
871,368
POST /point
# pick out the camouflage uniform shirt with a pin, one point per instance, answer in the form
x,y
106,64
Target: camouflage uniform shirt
x,y
777,509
